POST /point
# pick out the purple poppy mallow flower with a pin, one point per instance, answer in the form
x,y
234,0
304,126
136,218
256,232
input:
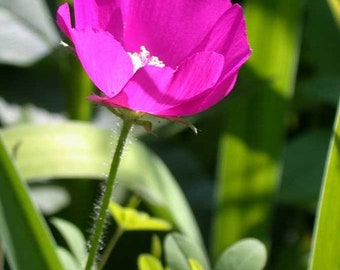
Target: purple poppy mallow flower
x,y
168,58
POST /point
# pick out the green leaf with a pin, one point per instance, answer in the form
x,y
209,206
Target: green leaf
x,y
326,239
77,87
302,174
27,31
325,88
148,262
131,219
247,254
156,246
251,141
79,150
145,174
335,7
25,236
194,265
320,24
50,199
73,237
179,249
68,261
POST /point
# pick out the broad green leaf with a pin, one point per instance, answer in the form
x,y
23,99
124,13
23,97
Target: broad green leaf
x,y
194,265
27,31
251,141
130,219
247,254
24,234
179,249
326,239
73,237
79,150
149,262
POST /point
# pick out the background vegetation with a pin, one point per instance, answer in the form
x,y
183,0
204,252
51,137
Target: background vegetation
x,y
255,169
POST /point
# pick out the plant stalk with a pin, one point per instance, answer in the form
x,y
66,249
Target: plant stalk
x,y
110,246
99,225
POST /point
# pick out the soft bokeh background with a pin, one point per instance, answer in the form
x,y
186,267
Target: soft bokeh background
x,y
256,165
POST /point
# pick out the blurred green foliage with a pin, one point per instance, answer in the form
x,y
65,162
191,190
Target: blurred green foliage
x,y
276,123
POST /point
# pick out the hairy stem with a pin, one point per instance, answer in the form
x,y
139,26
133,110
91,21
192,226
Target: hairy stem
x,y
99,225
110,246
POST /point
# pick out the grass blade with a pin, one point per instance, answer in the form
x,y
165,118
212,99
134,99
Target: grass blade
x,y
25,236
325,250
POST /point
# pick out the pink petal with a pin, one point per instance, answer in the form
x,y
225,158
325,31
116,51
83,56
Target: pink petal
x,y
208,99
154,90
64,19
170,29
99,14
229,38
103,59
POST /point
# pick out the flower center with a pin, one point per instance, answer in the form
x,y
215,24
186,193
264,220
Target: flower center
x,y
144,58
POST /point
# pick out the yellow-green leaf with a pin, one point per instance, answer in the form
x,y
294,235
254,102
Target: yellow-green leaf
x,y
149,262
335,8
156,246
326,239
131,219
194,265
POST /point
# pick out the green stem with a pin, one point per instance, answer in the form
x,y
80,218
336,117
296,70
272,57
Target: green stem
x,y
110,246
133,203
127,124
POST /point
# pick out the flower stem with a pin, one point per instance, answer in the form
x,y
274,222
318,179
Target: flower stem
x,y
110,246
99,226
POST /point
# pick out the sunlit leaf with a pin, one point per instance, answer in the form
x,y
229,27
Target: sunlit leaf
x,y
251,142
335,7
326,239
247,254
194,265
131,219
148,262
80,150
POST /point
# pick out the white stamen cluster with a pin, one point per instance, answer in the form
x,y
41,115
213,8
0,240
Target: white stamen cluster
x,y
144,58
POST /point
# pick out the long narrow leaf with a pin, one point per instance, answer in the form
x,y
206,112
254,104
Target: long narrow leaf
x,y
325,251
26,238
251,142
79,150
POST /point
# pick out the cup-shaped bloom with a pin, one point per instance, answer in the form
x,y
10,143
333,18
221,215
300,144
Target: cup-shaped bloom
x,y
163,57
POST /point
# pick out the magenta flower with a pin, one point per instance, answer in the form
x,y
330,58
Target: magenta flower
x,y
162,57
